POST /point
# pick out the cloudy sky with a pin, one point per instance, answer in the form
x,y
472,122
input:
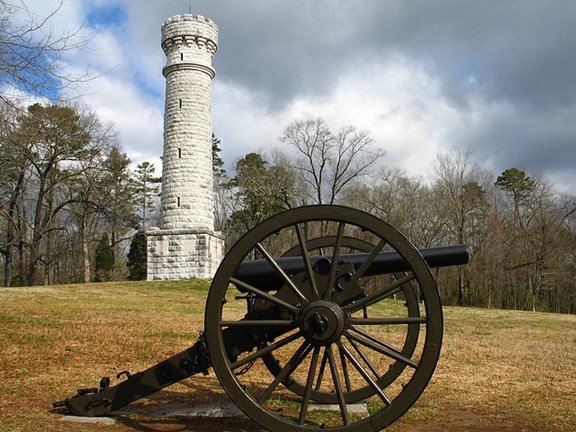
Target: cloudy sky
x,y
423,77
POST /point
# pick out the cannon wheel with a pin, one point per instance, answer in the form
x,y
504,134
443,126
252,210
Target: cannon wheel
x,y
323,245
325,342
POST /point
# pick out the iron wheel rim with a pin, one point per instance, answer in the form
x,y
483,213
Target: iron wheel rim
x,y
419,270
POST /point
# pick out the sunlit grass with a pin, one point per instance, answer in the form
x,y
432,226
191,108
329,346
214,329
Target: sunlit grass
x,y
513,368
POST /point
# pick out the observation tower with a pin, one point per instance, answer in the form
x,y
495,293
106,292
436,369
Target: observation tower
x,y
185,245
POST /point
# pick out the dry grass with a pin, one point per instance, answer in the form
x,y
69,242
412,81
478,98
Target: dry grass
x,y
503,370
499,370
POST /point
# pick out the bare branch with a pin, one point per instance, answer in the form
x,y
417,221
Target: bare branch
x,y
330,162
31,53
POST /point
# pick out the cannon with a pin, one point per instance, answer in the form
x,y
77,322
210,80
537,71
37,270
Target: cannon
x,y
316,305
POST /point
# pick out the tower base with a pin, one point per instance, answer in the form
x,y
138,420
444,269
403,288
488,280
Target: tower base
x,y
183,253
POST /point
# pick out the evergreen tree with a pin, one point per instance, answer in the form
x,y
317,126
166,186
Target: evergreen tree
x,y
515,182
120,205
53,145
147,189
256,192
104,261
137,257
217,162
221,185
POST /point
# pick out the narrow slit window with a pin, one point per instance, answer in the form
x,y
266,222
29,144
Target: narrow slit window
x,y
179,103
179,153
181,56
178,201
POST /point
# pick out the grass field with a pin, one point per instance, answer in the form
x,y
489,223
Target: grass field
x,y
499,370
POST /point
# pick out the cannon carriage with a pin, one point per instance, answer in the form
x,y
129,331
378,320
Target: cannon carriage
x,y
317,305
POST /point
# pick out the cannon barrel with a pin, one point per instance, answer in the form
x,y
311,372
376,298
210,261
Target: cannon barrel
x,y
259,273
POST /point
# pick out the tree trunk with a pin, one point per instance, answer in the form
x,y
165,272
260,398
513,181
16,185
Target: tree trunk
x,y
113,247
85,257
10,228
36,234
8,265
34,258
460,288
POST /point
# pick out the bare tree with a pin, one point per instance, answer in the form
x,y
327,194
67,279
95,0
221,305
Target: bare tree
x,y
402,201
461,199
13,181
31,53
84,212
329,162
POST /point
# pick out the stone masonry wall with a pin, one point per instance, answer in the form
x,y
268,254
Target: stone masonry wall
x,y
183,254
189,43
184,245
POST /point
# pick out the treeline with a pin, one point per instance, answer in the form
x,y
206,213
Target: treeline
x,y
73,210
70,202
520,232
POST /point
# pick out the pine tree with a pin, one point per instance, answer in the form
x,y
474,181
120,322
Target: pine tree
x,y
137,264
147,189
217,162
103,260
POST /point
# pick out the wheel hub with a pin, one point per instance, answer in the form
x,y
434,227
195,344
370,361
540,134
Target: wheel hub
x,y
323,322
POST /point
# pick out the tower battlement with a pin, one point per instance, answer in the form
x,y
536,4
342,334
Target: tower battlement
x,y
186,30
189,42
189,17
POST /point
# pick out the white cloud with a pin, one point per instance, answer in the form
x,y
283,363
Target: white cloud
x,y
241,124
398,104
114,92
136,116
385,88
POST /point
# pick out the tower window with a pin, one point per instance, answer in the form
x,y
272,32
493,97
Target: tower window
x,y
179,153
181,56
178,201
179,103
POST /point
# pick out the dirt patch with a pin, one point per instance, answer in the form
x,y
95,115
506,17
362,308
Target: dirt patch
x,y
457,420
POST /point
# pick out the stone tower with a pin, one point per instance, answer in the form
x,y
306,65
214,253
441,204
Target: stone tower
x,y
184,245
